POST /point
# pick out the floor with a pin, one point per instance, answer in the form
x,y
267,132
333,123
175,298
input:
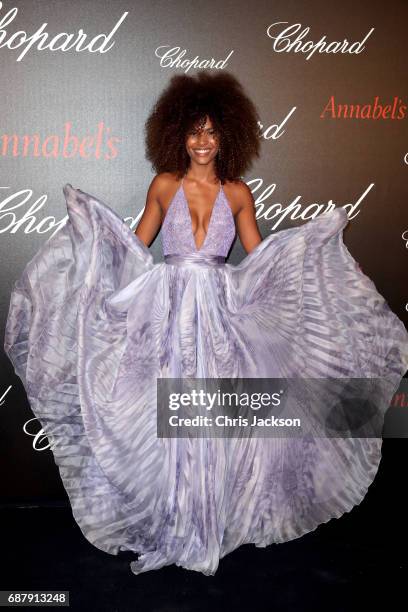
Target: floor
x,y
357,562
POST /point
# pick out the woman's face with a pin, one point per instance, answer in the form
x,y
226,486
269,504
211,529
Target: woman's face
x,y
202,145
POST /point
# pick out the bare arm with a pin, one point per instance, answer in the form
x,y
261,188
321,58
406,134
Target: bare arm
x,y
247,227
151,219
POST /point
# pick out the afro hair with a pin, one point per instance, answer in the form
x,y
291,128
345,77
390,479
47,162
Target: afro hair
x,y
184,104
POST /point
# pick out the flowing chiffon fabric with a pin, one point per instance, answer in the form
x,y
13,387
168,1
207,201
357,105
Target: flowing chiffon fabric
x,y
93,322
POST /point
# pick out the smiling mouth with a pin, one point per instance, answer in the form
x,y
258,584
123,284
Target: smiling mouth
x,y
201,151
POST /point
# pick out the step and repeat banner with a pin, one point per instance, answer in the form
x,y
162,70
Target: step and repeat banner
x,y
78,80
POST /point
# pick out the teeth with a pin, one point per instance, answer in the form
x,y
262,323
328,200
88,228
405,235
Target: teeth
x,y
202,150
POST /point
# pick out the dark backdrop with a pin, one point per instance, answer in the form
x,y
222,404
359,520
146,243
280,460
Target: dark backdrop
x,y
313,152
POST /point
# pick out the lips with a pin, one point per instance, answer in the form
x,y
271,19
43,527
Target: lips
x,y
202,151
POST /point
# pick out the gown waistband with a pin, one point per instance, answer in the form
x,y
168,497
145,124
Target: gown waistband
x,y
199,259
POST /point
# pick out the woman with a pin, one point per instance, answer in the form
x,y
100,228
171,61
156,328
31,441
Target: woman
x,y
183,141
94,324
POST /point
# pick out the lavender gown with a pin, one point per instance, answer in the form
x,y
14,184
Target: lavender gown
x,y
92,323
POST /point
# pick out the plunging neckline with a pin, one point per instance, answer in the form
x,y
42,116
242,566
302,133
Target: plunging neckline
x,y
191,220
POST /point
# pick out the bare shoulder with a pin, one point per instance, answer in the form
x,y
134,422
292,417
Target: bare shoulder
x,y
243,207
239,195
162,188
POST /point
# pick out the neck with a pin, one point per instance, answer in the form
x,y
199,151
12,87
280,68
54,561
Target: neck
x,y
202,174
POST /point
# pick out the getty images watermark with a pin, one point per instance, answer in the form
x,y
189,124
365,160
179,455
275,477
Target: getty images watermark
x,y
239,407
278,407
